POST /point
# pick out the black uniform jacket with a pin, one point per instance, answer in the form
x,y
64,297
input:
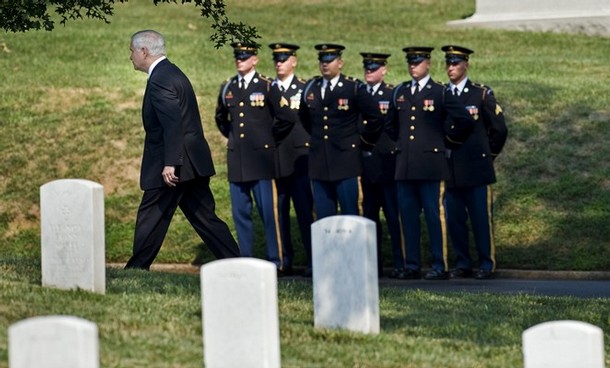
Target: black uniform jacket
x,y
380,166
174,135
418,125
472,163
245,118
291,138
336,142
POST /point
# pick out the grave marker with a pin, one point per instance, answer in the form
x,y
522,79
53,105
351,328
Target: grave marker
x,y
345,279
72,235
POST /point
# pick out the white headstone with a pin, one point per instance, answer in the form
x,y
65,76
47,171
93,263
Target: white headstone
x,y
584,16
53,342
345,279
563,344
240,314
72,235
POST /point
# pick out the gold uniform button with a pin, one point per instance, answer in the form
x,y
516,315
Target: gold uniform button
x,y
325,127
325,108
241,114
266,146
241,104
412,137
241,125
364,122
325,137
325,118
412,118
484,155
412,127
413,108
242,135
307,144
353,145
436,150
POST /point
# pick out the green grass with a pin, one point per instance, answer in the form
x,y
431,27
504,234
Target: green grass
x,y
70,108
152,320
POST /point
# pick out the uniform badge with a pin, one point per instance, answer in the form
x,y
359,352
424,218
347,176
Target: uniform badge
x,y
343,104
429,105
257,99
401,98
310,97
283,102
384,106
466,90
229,95
295,101
473,111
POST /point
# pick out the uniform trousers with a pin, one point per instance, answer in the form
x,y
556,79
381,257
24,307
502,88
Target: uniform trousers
x,y
298,189
477,203
383,196
413,197
155,213
265,198
347,193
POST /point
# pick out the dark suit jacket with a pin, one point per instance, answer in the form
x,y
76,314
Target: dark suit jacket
x,y
333,122
381,165
472,163
418,125
292,139
174,135
245,118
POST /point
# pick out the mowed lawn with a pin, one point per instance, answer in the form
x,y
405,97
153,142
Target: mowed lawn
x,y
70,108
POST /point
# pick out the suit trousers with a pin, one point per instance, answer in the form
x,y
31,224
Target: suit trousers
x,y
413,196
155,213
476,203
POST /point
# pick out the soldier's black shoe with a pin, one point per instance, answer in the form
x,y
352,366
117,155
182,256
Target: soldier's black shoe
x,y
484,275
395,272
288,271
461,273
436,275
307,272
409,274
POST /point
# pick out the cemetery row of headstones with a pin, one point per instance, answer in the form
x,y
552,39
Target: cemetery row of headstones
x,y
239,296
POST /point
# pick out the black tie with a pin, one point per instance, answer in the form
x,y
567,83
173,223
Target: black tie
x,y
415,89
327,90
456,91
371,91
242,84
282,89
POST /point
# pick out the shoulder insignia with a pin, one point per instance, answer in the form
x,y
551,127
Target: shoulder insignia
x,y
301,80
265,78
498,109
389,86
439,83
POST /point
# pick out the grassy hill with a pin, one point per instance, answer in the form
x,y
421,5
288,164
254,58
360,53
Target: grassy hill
x,y
70,108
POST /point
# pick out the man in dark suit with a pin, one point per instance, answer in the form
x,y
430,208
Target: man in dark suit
x,y
471,167
331,107
378,185
177,163
292,152
416,120
244,115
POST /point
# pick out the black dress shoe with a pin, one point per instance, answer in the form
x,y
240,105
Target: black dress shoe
x,y
409,274
484,275
307,272
395,272
436,275
285,272
461,273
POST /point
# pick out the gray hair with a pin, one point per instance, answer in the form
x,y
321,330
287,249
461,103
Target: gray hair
x,y
151,40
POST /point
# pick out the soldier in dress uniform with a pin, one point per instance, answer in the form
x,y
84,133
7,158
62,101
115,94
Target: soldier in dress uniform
x,y
292,151
378,185
244,116
331,106
469,193
416,120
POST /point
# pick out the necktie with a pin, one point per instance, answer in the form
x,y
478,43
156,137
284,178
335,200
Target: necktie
x,y
242,84
326,90
282,89
456,91
371,91
415,88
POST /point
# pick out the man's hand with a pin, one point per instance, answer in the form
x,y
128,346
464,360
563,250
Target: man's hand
x,y
169,176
